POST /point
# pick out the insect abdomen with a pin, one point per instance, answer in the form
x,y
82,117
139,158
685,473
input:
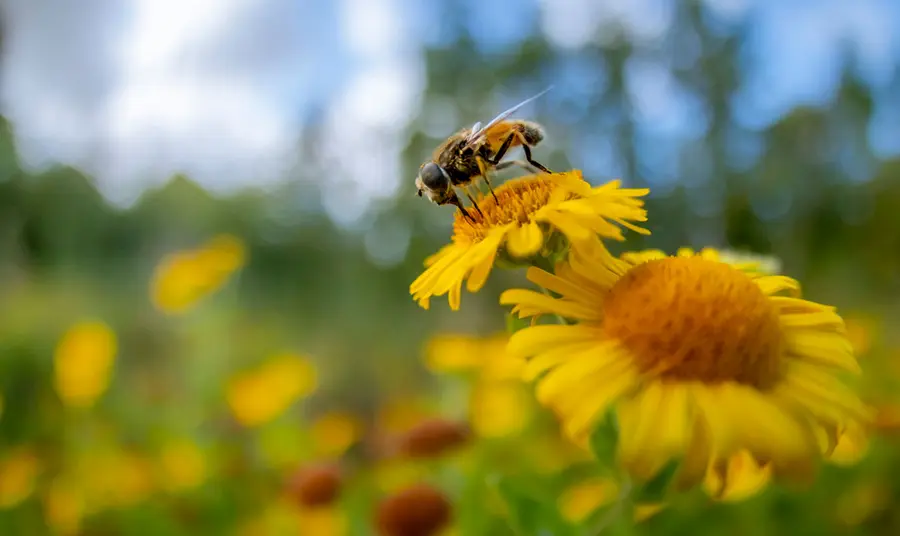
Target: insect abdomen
x,y
532,132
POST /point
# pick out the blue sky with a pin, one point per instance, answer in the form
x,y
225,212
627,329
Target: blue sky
x,y
133,91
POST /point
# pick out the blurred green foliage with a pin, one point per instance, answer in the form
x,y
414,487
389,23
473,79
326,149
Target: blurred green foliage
x,y
310,286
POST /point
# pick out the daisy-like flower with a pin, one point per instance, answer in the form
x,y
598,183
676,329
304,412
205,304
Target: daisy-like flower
x,y
520,222
697,358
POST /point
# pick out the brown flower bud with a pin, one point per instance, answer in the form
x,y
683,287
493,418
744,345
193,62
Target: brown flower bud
x,y
315,485
433,438
419,510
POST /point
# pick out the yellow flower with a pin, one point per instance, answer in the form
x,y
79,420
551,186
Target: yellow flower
x,y
740,478
322,521
697,358
83,363
183,465
851,447
498,404
18,471
335,432
486,356
64,507
862,331
582,499
258,396
530,210
185,277
499,409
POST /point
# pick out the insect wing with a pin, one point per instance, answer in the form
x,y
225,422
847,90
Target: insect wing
x,y
477,134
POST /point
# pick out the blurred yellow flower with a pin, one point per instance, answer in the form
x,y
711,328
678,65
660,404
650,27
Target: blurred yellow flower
x,y
185,277
182,464
83,363
335,432
399,413
283,517
486,356
123,478
322,521
499,409
852,446
64,507
392,474
519,221
862,331
738,479
584,498
452,353
19,470
698,358
258,396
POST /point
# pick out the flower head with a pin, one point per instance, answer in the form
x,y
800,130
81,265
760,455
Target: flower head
x,y
697,359
183,278
433,438
259,396
520,222
316,484
83,363
418,510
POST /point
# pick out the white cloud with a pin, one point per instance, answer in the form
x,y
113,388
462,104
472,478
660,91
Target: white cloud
x,y
133,91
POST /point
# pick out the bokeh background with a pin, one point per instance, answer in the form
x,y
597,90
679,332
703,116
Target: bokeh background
x,y
208,227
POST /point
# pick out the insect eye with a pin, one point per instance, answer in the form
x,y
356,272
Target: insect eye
x,y
433,177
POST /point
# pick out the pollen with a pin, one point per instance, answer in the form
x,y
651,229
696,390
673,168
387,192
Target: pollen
x,y
689,318
516,201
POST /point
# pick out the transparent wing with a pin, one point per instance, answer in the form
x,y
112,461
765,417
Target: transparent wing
x,y
477,133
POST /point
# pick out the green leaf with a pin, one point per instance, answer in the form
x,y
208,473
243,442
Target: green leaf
x,y
655,489
532,507
604,439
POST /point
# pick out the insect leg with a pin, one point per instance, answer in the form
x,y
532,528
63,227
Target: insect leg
x,y
455,201
521,163
502,150
484,173
532,161
474,204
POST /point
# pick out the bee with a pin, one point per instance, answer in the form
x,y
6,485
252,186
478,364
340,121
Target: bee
x,y
472,153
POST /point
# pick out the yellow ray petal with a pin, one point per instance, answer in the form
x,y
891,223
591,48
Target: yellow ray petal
x,y
536,339
831,349
525,241
560,306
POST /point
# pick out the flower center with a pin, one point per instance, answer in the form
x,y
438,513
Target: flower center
x,y
695,319
517,200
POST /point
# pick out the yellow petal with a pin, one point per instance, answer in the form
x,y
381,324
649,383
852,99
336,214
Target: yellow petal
x,y
603,388
742,478
832,349
549,305
654,429
773,284
557,284
525,241
484,255
536,339
545,361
